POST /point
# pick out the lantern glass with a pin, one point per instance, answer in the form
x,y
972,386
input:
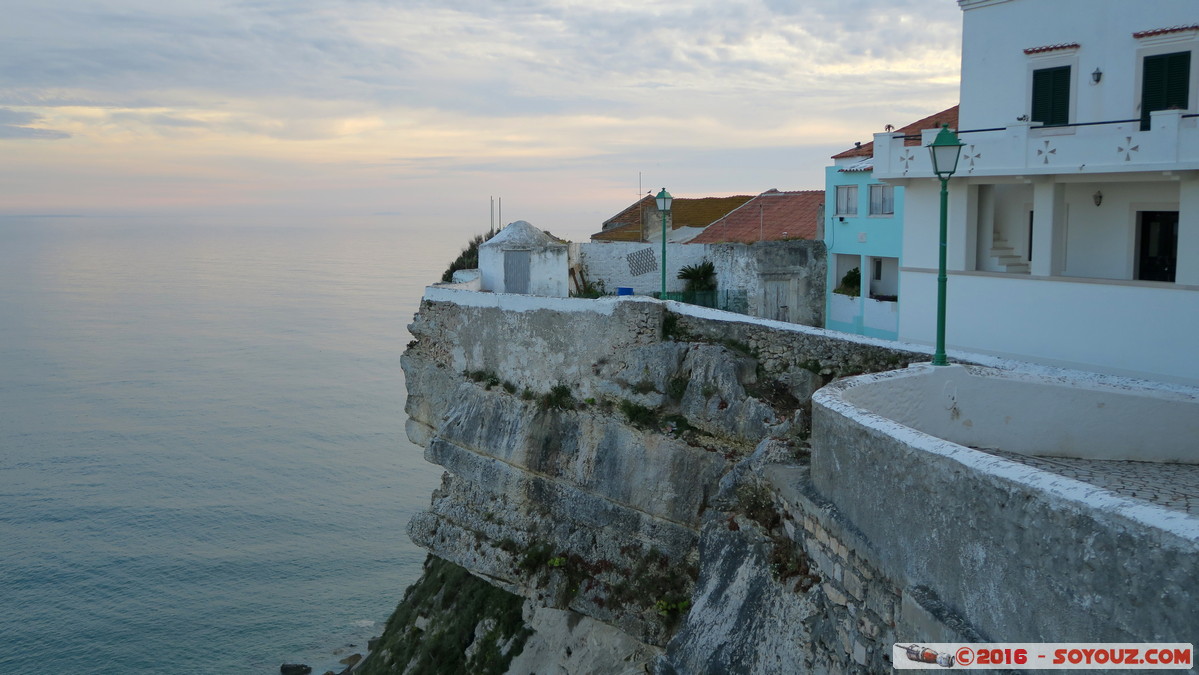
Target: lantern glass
x,y
664,200
945,150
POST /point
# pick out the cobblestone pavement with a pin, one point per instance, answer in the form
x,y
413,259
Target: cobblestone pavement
x,y
1174,486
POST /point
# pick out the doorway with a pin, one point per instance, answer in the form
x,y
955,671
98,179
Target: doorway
x,y
516,271
1157,245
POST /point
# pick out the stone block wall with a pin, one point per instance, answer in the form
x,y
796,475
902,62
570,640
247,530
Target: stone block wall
x,y
782,280
989,539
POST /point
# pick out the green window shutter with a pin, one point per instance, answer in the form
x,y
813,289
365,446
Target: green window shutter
x,y
1165,83
1051,96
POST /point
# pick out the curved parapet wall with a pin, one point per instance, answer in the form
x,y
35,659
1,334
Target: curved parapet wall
x,y
1036,415
992,537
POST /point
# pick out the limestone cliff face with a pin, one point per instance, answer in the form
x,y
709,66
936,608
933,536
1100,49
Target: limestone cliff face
x,y
564,481
634,479
604,461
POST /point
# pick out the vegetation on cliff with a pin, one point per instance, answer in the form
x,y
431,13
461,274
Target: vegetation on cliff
x,y
468,259
450,622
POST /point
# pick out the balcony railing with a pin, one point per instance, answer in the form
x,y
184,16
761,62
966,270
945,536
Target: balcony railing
x,y
1027,148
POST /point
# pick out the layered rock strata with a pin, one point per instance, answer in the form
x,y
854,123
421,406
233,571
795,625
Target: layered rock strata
x,y
585,450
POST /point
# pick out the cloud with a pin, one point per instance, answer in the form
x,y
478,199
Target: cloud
x,y
485,58
469,89
14,124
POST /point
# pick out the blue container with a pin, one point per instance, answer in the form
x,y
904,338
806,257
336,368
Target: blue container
x,y
624,290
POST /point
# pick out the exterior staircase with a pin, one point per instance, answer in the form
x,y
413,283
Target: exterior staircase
x,y
1007,258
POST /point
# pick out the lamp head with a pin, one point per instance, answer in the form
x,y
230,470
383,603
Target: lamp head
x,y
945,149
664,199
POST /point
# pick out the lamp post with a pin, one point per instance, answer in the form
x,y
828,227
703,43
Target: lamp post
x,y
664,200
945,150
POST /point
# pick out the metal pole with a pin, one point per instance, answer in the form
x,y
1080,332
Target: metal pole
x,y
663,296
939,356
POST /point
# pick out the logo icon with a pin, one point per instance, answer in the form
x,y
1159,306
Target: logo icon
x,y
925,655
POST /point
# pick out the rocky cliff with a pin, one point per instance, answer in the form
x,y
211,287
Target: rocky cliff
x,y
606,462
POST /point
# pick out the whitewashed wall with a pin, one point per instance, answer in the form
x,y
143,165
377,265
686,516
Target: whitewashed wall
x,y
996,33
548,260
610,262
1127,328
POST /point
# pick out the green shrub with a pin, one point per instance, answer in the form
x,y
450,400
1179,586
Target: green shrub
x,y
851,283
639,415
644,387
591,290
558,398
468,259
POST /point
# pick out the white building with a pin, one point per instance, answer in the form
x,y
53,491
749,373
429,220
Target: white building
x,y
523,259
1074,213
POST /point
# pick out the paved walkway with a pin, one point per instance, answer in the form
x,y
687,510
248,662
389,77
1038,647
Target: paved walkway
x,y
1174,486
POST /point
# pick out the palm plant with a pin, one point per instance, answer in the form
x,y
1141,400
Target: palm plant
x,y
699,277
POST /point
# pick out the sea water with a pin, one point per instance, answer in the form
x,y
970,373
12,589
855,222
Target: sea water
x,y
203,465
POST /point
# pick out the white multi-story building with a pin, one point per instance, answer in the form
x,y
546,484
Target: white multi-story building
x,y
1074,212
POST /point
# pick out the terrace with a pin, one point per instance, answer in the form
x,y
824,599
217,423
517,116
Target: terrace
x,y
1029,149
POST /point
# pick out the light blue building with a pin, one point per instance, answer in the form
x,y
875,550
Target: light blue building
x,y
864,232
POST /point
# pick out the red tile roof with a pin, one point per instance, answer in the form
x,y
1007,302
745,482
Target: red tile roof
x,y
1164,31
1052,48
948,116
684,212
771,216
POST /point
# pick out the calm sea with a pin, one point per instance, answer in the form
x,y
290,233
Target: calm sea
x,y
203,466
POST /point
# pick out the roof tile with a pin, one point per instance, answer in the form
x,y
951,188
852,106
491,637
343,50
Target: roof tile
x,y
685,212
771,216
948,116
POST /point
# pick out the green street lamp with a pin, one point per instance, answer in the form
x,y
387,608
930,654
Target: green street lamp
x,y
664,200
945,150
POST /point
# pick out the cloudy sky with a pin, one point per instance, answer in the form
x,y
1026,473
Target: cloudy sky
x,y
423,110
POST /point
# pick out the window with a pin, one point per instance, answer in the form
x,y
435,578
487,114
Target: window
x,y
878,269
847,200
1164,84
1051,96
882,200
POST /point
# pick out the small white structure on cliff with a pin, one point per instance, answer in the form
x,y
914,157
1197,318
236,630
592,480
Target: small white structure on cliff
x,y
523,259
1074,213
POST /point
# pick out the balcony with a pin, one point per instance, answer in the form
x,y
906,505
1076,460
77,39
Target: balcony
x,y
1028,149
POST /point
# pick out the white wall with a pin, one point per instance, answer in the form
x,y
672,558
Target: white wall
x,y
609,262
1101,240
922,219
995,35
880,315
548,270
1142,329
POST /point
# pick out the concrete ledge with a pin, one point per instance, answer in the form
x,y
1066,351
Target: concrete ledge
x,y
990,536
1036,415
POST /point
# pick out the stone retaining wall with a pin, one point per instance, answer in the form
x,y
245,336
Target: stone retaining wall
x,y
1019,554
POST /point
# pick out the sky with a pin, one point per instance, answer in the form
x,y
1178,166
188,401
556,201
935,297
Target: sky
x,y
423,111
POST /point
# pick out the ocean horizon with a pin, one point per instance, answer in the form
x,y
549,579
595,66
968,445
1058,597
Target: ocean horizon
x,y
203,464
